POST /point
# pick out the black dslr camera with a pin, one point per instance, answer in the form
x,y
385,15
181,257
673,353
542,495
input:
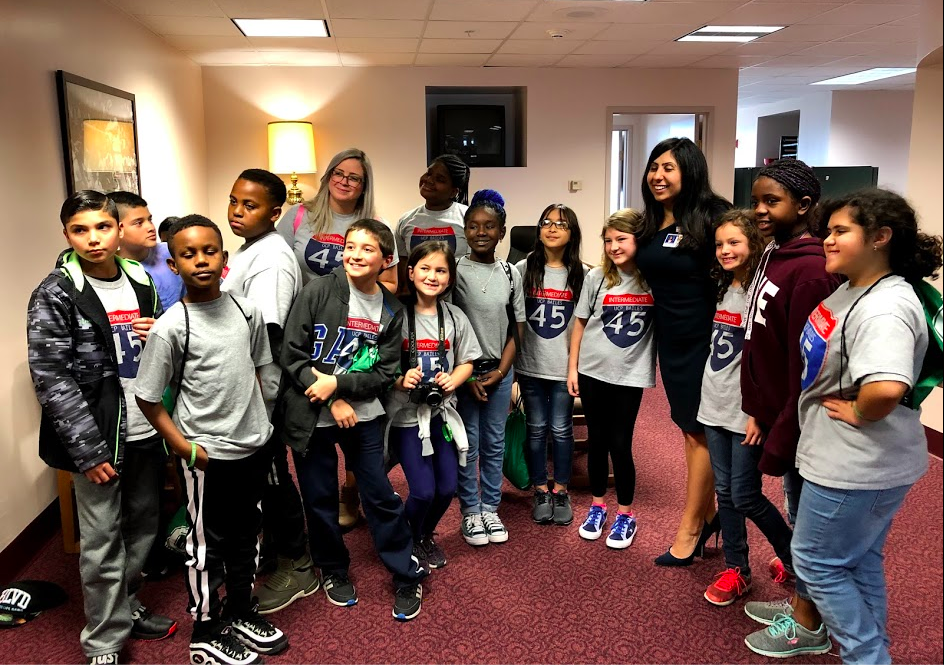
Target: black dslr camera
x,y
430,394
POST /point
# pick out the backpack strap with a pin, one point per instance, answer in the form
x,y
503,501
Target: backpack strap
x,y
931,372
298,218
593,301
510,306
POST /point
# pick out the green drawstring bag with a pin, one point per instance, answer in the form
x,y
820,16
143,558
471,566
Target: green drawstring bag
x,y
514,465
931,372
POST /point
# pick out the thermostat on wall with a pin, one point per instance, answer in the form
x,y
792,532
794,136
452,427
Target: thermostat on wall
x,y
575,185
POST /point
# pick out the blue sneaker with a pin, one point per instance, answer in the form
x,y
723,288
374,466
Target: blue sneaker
x,y
623,531
592,527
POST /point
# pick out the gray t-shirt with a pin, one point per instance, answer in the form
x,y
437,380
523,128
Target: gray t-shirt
x,y
422,224
482,291
617,345
317,253
121,305
461,347
721,386
220,404
267,274
363,328
545,346
886,338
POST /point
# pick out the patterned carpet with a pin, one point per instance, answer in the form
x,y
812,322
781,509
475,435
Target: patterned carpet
x,y
546,596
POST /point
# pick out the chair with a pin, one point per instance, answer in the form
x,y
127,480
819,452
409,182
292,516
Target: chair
x,y
70,521
522,242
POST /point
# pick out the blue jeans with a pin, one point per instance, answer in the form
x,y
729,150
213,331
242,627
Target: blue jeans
x,y
547,404
485,429
837,549
741,495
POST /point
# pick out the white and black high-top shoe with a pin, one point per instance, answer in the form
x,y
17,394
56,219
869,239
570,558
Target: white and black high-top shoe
x,y
258,634
220,647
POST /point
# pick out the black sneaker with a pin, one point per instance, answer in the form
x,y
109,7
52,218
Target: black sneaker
x,y
148,626
563,512
104,659
408,602
219,646
419,553
339,590
542,510
435,557
258,634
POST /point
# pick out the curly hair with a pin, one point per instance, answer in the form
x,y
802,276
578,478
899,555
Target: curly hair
x,y
911,254
744,221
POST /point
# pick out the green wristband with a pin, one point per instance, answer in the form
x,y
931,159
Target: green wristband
x,y
193,455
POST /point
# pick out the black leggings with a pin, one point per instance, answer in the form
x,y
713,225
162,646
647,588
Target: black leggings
x,y
611,417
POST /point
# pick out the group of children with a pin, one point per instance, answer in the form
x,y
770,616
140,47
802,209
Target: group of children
x,y
298,342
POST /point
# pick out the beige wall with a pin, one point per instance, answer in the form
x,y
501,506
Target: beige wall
x,y
89,39
382,111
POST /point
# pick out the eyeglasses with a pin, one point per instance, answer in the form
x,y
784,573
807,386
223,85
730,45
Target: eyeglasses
x,y
560,224
352,178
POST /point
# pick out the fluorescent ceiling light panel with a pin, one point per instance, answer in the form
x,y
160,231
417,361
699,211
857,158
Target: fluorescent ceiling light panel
x,y
729,33
867,76
281,27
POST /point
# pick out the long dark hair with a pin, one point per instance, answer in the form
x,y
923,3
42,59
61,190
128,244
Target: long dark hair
x,y
534,273
912,254
696,207
743,220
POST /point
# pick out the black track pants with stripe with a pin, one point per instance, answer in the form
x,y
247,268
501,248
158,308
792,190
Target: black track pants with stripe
x,y
223,509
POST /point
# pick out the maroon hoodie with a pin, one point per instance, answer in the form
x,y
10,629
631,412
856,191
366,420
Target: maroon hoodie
x,y
790,282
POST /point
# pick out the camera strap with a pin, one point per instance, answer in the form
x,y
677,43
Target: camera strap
x,y
411,321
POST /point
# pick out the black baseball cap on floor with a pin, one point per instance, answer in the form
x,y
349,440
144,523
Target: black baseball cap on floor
x,y
24,601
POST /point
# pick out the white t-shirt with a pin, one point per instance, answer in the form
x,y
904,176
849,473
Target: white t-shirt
x,y
618,345
266,273
720,404
121,305
422,224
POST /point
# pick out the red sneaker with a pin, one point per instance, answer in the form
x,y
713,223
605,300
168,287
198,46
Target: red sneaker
x,y
778,573
727,587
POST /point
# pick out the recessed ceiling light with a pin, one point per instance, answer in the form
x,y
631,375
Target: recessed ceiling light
x,y
729,33
867,76
281,27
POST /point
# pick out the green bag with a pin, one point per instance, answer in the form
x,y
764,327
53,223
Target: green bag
x,y
514,465
931,371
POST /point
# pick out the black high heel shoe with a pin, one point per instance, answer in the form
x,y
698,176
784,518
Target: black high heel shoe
x,y
669,560
712,528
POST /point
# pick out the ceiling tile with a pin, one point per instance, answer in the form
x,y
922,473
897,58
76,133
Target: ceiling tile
x,y
864,14
469,29
661,61
774,13
729,61
451,59
598,60
349,27
815,33
191,25
690,12
799,61
225,57
702,49
650,32
169,7
375,9
270,9
516,60
293,44
538,30
885,33
376,59
908,22
368,45
590,12
207,42
304,59
879,60
541,46
634,47
764,47
459,45
481,10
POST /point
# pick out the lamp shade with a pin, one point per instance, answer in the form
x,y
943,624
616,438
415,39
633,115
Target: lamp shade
x,y
108,145
291,148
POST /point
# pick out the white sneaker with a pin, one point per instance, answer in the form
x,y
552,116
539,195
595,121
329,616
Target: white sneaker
x,y
473,530
494,529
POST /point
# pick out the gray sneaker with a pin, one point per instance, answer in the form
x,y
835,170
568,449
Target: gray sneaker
x,y
473,530
542,508
290,581
785,638
766,611
563,513
494,529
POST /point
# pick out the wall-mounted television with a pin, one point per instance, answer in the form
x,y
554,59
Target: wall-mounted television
x,y
474,132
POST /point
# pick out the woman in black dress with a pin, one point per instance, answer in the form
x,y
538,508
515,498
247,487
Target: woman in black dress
x,y
675,252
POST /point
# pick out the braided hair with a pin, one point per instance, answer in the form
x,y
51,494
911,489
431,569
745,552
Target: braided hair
x,y
459,174
796,177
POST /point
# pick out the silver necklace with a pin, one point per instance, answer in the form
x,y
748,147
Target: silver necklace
x,y
492,272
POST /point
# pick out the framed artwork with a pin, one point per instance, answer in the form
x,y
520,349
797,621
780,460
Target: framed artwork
x,y
99,136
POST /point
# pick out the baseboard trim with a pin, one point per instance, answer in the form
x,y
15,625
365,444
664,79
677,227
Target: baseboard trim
x,y
935,442
15,557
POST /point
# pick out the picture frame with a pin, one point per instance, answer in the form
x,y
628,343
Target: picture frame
x,y
99,136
